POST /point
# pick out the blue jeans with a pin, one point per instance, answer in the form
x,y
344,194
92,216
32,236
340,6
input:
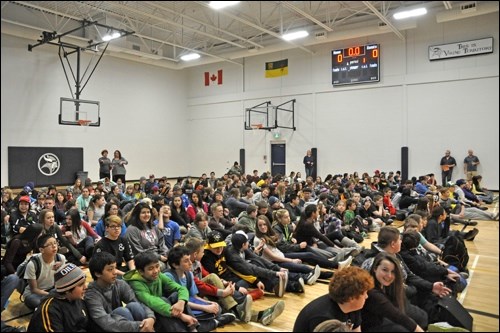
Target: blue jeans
x,y
33,301
312,258
9,284
133,311
295,268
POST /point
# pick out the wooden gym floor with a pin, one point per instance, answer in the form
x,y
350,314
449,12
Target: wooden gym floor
x,y
480,297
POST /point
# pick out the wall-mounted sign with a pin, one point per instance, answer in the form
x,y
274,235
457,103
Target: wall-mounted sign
x,y
461,49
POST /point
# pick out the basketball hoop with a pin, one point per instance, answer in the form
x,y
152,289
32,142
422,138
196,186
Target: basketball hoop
x,y
84,122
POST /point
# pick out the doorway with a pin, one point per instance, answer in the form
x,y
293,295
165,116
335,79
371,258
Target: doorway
x,y
278,159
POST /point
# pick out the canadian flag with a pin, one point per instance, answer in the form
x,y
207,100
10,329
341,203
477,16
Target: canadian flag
x,y
213,78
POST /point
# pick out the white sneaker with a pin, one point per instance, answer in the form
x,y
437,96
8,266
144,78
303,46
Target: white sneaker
x,y
280,288
345,263
315,275
302,285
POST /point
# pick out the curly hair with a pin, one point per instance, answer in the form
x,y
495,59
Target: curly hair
x,y
350,283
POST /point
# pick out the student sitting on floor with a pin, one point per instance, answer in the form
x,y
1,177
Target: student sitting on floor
x,y
105,296
40,284
63,310
161,294
203,310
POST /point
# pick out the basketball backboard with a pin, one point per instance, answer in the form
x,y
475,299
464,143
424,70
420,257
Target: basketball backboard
x,y
79,112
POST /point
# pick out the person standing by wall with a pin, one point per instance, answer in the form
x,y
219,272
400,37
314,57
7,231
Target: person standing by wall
x,y
470,165
309,163
447,164
104,165
118,166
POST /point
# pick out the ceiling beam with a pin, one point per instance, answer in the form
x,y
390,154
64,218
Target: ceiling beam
x,y
269,32
179,25
384,19
154,4
288,5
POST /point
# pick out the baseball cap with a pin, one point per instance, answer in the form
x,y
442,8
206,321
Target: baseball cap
x,y
155,188
215,240
25,198
460,182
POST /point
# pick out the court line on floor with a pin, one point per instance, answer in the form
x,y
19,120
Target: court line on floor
x,y
263,327
20,316
469,280
482,313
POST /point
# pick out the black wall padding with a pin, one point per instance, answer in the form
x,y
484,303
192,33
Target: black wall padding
x,y
404,164
314,152
242,160
44,165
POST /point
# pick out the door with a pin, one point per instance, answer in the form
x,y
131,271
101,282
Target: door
x,y
278,159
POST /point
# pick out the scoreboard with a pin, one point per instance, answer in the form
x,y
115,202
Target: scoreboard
x,y
357,64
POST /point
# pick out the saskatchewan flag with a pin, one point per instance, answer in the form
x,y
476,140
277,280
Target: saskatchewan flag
x,y
277,68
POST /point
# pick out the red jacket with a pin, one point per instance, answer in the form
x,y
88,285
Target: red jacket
x,y
204,289
388,205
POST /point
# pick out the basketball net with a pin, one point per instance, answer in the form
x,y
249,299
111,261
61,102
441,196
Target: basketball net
x,y
84,122
256,126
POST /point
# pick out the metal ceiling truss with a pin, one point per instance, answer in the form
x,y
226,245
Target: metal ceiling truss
x,y
166,30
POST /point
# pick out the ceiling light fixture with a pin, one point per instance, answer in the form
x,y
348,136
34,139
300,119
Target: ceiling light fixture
x,y
190,56
222,4
295,35
111,35
410,13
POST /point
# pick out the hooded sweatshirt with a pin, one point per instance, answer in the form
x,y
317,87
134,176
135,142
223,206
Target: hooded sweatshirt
x,y
151,292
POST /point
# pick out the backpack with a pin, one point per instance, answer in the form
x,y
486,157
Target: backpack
x,y
21,269
455,252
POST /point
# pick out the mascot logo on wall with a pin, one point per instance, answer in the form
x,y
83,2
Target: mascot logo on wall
x,y
48,164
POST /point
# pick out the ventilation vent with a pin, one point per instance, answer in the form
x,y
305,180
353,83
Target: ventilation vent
x,y
468,7
382,24
252,49
136,47
320,35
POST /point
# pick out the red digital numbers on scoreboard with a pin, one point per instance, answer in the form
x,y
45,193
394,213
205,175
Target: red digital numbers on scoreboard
x,y
357,64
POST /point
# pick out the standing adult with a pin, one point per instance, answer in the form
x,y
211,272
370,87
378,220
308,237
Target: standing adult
x,y
104,165
447,164
309,163
470,164
118,166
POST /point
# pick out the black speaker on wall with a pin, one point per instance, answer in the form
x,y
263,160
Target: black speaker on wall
x,y
404,164
242,160
314,153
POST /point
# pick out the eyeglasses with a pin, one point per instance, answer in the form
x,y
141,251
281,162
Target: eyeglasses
x,y
116,227
50,244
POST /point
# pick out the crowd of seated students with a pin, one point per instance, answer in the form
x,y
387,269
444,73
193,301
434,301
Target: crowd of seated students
x,y
310,221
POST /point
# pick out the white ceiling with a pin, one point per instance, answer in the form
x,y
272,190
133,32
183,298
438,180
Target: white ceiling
x,y
165,30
